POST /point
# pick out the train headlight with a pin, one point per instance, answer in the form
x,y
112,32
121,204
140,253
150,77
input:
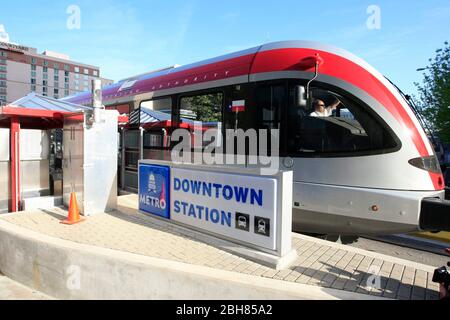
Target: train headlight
x,y
430,164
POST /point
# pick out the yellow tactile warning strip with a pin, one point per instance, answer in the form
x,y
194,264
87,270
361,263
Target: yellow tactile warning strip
x,y
440,236
334,266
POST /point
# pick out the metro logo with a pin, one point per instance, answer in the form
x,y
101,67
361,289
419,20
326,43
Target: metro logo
x,y
153,195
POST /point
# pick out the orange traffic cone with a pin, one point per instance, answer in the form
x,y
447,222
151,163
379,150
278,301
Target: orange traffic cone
x,y
74,213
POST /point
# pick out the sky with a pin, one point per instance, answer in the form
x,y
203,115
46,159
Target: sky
x,y
126,38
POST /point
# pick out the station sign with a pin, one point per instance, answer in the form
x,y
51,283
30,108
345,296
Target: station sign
x,y
154,190
236,206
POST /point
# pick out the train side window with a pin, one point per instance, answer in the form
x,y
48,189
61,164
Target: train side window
x,y
202,109
335,125
162,105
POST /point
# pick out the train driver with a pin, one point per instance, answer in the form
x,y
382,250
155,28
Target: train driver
x,y
320,110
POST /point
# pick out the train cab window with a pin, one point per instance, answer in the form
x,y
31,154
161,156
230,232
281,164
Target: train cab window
x,y
332,124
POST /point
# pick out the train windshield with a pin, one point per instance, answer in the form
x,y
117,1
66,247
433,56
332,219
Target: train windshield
x,y
334,124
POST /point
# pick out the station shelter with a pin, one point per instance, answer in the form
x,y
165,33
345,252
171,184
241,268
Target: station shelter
x,y
27,144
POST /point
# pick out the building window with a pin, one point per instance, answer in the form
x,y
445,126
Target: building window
x,y
33,81
66,85
66,73
2,99
2,90
2,75
2,68
55,91
33,67
45,63
66,80
44,82
33,88
2,61
77,76
86,84
33,61
77,69
66,92
3,54
67,67
95,72
45,69
56,85
33,74
56,78
45,75
44,89
86,71
56,66
2,83
85,77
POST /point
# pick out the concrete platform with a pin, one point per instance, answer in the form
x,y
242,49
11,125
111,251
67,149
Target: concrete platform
x,y
10,290
127,255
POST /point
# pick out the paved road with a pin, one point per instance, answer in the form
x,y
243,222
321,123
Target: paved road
x,y
395,250
10,290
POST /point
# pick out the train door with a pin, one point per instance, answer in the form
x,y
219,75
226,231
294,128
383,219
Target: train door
x,y
271,100
240,113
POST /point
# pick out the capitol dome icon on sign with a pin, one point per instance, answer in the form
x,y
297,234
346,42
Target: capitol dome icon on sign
x,y
151,183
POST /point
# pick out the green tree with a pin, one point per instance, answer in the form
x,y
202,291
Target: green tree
x,y
434,93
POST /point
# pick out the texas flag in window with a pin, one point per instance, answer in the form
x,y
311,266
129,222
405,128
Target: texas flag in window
x,y
238,106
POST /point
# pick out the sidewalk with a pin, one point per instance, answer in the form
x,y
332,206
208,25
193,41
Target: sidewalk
x,y
319,263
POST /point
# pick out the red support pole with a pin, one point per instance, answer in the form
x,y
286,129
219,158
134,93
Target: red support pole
x,y
15,164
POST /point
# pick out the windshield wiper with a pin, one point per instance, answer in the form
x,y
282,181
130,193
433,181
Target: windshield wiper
x,y
409,100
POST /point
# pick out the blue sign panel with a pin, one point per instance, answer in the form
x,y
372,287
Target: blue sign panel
x,y
154,190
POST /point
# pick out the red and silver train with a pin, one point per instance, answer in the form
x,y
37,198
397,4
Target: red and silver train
x,y
366,168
